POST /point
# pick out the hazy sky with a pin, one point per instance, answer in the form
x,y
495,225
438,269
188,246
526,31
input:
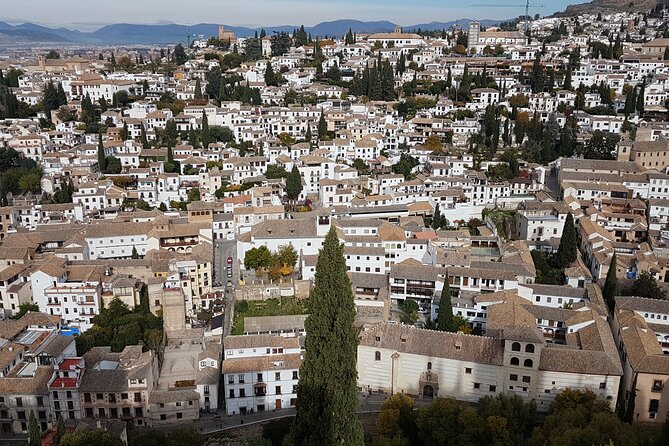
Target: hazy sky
x,y
92,14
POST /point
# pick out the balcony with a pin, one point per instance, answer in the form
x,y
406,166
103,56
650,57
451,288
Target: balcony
x,y
174,244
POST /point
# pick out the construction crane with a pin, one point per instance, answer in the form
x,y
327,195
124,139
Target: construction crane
x,y
527,7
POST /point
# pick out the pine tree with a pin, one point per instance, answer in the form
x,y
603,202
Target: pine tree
x,y
611,285
101,154
198,89
445,316
205,135
327,392
568,249
322,128
135,254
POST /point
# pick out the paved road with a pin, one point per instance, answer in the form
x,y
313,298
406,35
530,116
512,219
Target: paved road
x,y
222,250
553,184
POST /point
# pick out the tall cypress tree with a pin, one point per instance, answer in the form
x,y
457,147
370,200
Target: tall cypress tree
x,y
101,154
445,316
567,250
322,127
205,135
327,394
294,184
436,218
611,285
198,89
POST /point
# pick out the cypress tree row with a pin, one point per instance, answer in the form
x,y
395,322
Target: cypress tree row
x,y
327,393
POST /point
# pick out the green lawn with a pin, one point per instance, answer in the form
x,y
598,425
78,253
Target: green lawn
x,y
272,307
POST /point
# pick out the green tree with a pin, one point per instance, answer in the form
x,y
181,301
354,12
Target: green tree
x,y
24,308
31,182
611,286
205,136
194,194
60,428
445,316
287,256
270,77
135,254
448,422
327,403
113,165
198,89
34,431
273,171
410,311
322,128
396,423
101,153
179,55
257,258
568,249
88,437
436,218
125,133
645,285
294,184
520,416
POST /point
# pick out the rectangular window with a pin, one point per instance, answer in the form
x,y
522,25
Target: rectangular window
x,y
468,370
277,376
526,379
492,388
477,385
653,406
242,393
277,390
513,377
232,393
295,376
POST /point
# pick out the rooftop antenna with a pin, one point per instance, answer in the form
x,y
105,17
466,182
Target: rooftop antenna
x,y
527,7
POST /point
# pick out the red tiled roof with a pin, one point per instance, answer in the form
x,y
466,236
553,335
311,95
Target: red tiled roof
x,y
64,383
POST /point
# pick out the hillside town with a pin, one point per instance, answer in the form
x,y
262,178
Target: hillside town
x,y
499,194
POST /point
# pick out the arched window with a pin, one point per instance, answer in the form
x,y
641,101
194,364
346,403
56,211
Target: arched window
x,y
515,361
515,346
429,365
528,363
377,356
529,348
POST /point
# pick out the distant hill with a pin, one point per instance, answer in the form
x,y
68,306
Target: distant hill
x,y
125,33
604,6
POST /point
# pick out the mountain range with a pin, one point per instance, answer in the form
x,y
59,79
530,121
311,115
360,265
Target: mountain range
x,y
127,34
610,6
